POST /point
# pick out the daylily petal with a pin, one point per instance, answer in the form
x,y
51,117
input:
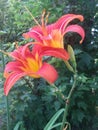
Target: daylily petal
x,y
16,53
11,80
57,52
33,34
76,28
37,32
50,27
12,66
37,29
48,72
35,49
63,22
25,50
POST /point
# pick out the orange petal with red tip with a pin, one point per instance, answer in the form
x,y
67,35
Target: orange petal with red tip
x,y
48,72
11,80
76,28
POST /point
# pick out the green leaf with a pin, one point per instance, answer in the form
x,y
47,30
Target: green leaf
x,y
18,125
56,125
53,119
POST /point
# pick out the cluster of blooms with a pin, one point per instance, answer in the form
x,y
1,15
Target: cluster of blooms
x,y
48,42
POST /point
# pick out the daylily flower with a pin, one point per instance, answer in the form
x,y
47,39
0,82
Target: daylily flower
x,y
27,62
50,37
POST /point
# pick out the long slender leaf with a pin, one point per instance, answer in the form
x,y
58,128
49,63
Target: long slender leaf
x,y
56,125
18,125
53,119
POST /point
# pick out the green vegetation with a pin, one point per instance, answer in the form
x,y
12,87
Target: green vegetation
x,y
33,102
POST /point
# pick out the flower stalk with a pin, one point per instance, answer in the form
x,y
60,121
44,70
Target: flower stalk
x,y
67,103
7,102
8,113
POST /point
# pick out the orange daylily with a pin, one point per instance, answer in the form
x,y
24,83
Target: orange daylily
x,y
27,62
50,37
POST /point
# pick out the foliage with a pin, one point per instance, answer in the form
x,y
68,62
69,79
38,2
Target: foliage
x,y
34,102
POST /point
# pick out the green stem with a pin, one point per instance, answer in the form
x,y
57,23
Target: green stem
x,y
67,103
7,104
8,115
